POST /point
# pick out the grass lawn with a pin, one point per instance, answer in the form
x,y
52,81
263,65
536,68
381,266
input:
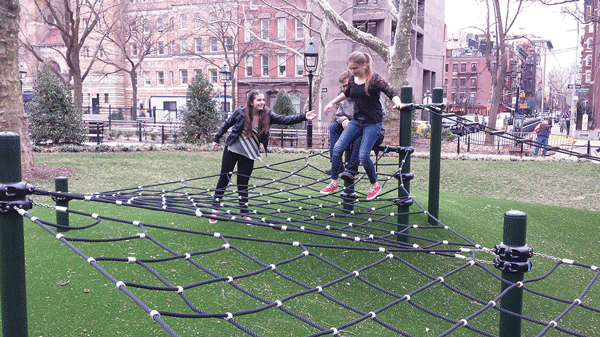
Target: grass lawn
x,y
68,297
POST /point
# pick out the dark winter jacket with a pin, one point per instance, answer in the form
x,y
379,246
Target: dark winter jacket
x,y
236,123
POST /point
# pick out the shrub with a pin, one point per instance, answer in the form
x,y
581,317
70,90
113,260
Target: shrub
x,y
52,116
200,116
283,106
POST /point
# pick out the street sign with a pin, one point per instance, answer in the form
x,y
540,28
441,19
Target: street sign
x,y
571,86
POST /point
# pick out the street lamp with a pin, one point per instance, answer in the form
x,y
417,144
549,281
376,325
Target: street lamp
x,y
225,77
22,75
311,60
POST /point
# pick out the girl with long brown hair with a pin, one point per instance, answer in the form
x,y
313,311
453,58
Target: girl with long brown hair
x,y
364,88
249,127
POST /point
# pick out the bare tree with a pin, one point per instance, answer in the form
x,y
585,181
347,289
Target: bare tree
x,y
76,21
500,19
12,114
224,30
131,36
559,78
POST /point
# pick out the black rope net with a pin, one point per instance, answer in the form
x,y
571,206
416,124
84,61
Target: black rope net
x,y
302,263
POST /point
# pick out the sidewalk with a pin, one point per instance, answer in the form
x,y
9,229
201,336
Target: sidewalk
x,y
578,145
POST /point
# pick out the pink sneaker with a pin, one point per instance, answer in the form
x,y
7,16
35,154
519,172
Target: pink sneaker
x,y
247,218
332,187
373,192
213,216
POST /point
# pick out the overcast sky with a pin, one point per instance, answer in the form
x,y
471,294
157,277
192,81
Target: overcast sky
x,y
545,22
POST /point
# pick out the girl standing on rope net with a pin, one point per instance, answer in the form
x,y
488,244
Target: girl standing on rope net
x,y
249,128
364,89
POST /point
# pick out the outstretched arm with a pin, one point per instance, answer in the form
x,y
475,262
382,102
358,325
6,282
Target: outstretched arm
x,y
333,102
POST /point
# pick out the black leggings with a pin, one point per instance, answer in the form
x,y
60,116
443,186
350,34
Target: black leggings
x,y
245,166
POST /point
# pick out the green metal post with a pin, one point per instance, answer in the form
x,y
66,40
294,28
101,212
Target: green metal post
x,y
435,155
406,96
515,223
61,184
12,248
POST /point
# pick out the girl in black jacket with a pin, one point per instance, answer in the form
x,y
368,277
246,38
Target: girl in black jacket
x,y
249,127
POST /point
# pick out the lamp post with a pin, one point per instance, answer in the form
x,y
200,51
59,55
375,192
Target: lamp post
x,y
22,75
225,77
311,60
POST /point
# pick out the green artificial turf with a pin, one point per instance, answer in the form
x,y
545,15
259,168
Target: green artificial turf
x,y
68,297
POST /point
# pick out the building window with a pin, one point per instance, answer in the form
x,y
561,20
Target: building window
x,y
463,82
455,83
198,45
446,67
183,22
281,28
264,29
213,76
590,43
264,60
473,82
172,78
588,60
214,44
454,67
295,98
160,26
299,66
184,46
197,21
463,67
248,30
146,78
197,72
472,97
473,67
365,2
229,43
281,61
299,30
183,75
160,48
366,26
588,76
134,49
105,98
249,63
146,26
160,78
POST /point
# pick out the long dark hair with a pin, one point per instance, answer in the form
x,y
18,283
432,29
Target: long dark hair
x,y
263,117
361,58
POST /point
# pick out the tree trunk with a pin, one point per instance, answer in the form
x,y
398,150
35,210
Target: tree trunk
x,y
133,76
499,80
12,114
75,70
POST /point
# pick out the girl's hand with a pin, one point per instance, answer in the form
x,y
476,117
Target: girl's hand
x,y
328,108
400,106
311,115
215,146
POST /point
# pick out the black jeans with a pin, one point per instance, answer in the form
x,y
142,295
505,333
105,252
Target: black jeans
x,y
245,166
